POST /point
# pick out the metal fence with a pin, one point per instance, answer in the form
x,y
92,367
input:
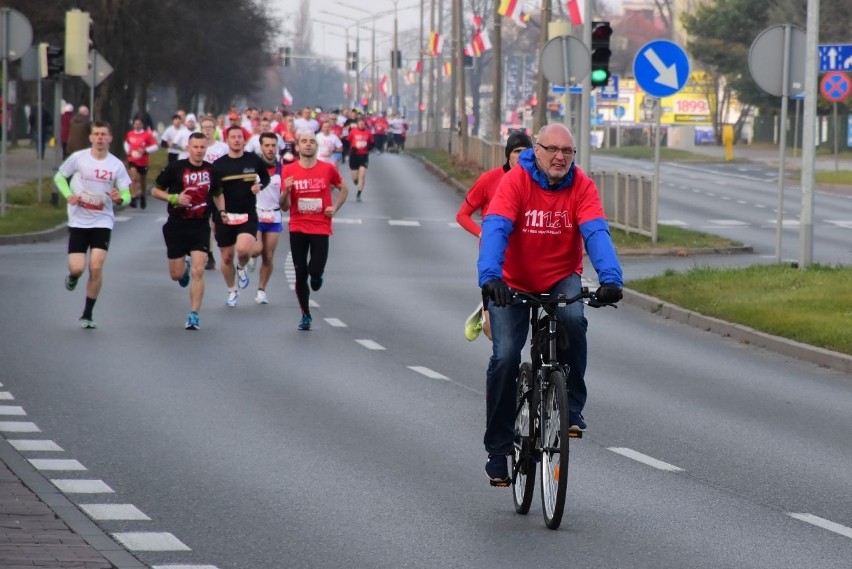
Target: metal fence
x,y
628,198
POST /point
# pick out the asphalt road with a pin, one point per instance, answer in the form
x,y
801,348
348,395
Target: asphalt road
x,y
358,444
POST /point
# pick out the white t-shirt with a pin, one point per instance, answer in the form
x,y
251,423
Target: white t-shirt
x,y
253,144
215,151
268,200
182,140
327,145
305,124
170,137
91,182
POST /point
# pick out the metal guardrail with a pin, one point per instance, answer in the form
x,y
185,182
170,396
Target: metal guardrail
x,y
628,198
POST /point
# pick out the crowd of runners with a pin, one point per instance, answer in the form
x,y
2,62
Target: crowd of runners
x,y
228,178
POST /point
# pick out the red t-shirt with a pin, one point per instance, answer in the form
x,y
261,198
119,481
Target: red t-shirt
x,y
545,245
310,195
478,198
360,141
138,142
380,125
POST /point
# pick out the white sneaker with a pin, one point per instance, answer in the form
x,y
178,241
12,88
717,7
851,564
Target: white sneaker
x,y
252,264
232,298
242,277
261,297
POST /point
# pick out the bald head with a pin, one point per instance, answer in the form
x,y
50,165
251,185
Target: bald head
x,y
553,128
555,151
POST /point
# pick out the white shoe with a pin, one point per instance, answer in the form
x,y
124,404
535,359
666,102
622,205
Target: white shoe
x,y
261,297
232,298
242,277
252,264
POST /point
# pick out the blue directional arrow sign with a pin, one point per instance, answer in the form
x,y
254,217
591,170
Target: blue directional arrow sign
x,y
835,58
661,68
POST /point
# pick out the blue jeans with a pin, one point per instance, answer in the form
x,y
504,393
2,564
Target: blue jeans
x,y
509,329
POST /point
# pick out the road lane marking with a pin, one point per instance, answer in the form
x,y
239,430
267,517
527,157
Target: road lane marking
x,y
337,323
6,396
675,222
349,220
371,345
150,541
18,427
56,464
645,459
184,567
728,222
823,523
114,512
404,222
73,486
431,374
35,445
12,410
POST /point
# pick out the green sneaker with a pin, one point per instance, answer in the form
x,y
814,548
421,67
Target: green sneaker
x,y
473,324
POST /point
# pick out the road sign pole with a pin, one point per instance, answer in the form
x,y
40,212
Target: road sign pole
x,y
806,223
836,165
4,112
585,126
782,142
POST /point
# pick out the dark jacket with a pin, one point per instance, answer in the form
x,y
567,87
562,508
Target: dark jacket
x,y
78,133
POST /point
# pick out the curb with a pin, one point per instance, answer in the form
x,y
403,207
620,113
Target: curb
x,y
744,334
37,237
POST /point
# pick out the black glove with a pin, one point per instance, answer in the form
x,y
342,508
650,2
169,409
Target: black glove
x,y
498,292
608,293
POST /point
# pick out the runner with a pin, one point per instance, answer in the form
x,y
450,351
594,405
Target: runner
x,y
215,150
171,136
478,198
243,175
329,145
269,225
98,181
182,139
307,193
138,144
360,144
186,185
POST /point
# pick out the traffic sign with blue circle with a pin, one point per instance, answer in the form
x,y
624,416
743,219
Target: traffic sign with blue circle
x,y
835,86
619,111
661,68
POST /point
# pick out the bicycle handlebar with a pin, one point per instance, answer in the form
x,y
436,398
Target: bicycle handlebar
x,y
549,300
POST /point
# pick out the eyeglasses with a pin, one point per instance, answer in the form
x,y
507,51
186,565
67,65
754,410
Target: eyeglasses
x,y
552,150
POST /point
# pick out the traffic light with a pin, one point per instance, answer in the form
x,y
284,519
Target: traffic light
x,y
286,57
601,32
77,43
51,60
396,59
352,61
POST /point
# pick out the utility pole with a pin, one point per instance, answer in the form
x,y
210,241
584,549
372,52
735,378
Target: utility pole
x,y
432,124
458,75
539,117
497,82
420,75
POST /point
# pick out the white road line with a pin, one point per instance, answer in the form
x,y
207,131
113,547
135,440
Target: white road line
x,y
845,223
56,464
12,410
404,222
645,459
73,486
728,222
122,218
114,512
823,523
431,374
337,323
675,222
35,445
6,396
371,345
313,303
184,567
784,222
150,541
349,220
18,427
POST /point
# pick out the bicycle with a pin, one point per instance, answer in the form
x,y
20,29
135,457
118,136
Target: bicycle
x,y
542,432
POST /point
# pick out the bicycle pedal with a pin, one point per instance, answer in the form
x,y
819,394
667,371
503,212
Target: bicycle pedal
x,y
575,434
500,483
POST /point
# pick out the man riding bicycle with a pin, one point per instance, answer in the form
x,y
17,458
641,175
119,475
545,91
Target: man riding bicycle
x,y
532,240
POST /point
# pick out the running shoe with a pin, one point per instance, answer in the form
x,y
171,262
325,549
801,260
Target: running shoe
x,y
87,324
211,263
261,297
252,264
242,277
316,283
473,324
305,322
192,321
358,197
143,203
497,470
184,280
576,423
232,298
71,282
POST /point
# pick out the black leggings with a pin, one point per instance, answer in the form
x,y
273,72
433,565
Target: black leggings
x,y
300,245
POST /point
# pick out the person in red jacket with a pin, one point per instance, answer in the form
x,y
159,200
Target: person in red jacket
x,y
360,144
139,142
477,199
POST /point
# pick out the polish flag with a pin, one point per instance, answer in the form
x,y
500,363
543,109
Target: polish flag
x,y
477,21
436,43
575,10
383,86
418,67
346,88
480,43
287,98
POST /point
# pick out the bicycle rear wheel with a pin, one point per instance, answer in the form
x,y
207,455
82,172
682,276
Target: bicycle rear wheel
x,y
523,462
554,459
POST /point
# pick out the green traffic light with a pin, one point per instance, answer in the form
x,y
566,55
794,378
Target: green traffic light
x,y
600,77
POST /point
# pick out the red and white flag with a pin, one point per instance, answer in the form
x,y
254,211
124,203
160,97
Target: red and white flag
x,y
575,10
512,9
477,21
346,88
418,66
436,43
480,43
383,86
287,99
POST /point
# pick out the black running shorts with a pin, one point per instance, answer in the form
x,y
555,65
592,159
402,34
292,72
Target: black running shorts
x,y
81,239
184,236
226,235
358,160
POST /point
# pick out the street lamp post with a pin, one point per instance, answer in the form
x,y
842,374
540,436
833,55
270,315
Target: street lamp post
x,y
395,60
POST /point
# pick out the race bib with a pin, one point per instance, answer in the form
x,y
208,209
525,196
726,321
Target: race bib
x,y
361,144
310,205
266,215
236,218
89,200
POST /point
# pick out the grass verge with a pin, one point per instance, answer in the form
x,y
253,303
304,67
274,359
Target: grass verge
x,y
809,305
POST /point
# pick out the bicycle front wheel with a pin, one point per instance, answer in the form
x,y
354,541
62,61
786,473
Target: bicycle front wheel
x,y
523,460
554,459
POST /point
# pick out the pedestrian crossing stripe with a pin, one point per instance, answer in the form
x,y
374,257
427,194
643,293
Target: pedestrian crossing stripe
x,y
728,222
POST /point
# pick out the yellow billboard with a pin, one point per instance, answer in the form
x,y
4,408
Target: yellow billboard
x,y
694,104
